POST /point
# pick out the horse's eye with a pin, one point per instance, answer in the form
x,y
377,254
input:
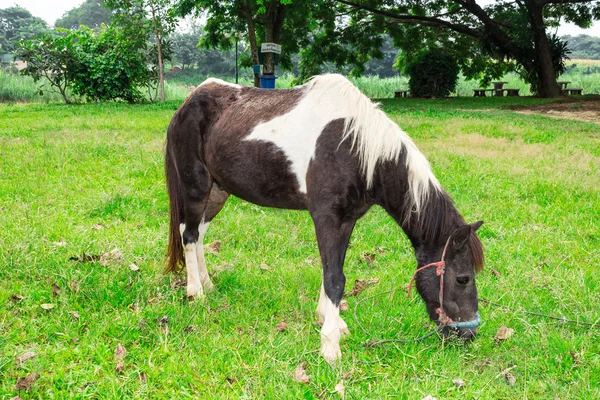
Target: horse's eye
x,y
462,280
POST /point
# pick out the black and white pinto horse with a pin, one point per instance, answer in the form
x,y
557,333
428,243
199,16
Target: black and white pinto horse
x,y
326,148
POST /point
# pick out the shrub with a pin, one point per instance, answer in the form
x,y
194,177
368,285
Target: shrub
x,y
111,65
433,73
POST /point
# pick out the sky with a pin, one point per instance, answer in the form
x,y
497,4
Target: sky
x,y
50,10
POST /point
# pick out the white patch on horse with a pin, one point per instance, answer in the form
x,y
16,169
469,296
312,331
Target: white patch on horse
x,y
374,136
330,333
192,261
203,271
321,304
218,81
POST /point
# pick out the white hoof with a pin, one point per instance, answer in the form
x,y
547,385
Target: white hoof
x,y
331,353
195,291
330,346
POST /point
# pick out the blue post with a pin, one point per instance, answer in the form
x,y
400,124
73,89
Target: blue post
x,y
267,81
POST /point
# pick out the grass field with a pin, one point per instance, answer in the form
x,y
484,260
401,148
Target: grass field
x,y
88,179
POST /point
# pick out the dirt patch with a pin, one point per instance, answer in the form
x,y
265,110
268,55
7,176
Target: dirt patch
x,y
581,109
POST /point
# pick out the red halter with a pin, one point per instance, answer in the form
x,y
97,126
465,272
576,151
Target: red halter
x,y
444,319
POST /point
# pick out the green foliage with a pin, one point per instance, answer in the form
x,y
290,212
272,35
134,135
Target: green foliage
x,y
90,13
110,65
433,73
52,58
16,24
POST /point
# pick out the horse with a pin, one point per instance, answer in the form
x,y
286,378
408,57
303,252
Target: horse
x,y
326,148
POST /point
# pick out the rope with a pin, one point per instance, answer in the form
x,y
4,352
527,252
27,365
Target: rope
x,y
377,342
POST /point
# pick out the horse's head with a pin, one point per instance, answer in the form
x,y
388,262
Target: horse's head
x,y
462,257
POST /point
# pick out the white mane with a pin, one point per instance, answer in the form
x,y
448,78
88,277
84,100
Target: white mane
x,y
374,136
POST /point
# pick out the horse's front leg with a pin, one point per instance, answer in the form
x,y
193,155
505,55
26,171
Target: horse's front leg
x,y
333,235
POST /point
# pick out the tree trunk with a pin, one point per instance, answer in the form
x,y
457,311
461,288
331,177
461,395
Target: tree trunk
x,y
543,55
253,48
161,78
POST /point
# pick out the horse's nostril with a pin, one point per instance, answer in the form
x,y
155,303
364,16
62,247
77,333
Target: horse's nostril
x,y
462,280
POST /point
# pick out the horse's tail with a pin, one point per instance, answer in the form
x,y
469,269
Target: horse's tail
x,y
175,258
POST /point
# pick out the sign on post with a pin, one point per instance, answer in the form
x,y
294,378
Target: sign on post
x,y
270,48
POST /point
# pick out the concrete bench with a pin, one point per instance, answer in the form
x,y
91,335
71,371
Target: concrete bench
x,y
572,92
401,93
481,92
512,92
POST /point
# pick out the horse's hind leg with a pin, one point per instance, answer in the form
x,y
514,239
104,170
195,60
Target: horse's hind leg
x,y
216,200
196,184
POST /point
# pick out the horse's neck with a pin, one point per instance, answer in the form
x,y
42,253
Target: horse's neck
x,y
427,230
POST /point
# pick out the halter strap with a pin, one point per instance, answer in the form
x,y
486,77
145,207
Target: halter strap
x,y
443,318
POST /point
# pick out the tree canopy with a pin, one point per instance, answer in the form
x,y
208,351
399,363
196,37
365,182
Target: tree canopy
x,y
90,13
16,23
487,40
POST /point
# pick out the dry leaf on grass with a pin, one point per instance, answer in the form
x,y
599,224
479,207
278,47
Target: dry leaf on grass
x,y
74,314
300,375
120,366
503,333
213,248
16,297
25,356
47,306
16,398
362,284
163,321
459,383
495,272
143,378
265,267
381,250
120,352
343,305
282,326
62,243
97,227
429,397
510,379
113,255
310,260
576,357
367,257
340,390
134,267
55,290
27,382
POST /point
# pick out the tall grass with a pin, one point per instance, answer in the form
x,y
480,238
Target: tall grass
x,y
23,89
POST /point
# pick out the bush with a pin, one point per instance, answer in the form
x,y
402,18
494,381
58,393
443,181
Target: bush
x,y
433,73
111,66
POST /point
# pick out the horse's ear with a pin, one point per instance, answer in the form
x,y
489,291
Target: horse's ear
x,y
460,236
476,225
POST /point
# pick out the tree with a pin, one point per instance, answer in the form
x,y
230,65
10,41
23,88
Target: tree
x,y
583,46
16,23
513,34
285,22
51,58
90,13
145,17
110,65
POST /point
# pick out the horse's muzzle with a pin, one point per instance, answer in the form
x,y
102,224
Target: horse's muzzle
x,y
466,330
465,334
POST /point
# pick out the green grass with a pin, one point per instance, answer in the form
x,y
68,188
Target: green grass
x,y
65,169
